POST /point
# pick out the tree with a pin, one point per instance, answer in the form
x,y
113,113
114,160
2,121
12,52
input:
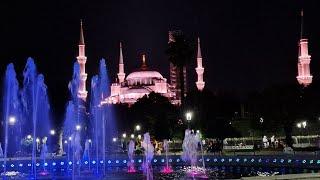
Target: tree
x,y
180,53
155,114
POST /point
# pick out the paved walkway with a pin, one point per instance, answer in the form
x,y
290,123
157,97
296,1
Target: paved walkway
x,y
305,176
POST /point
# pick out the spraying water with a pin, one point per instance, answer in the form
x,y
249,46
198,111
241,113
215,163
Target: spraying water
x,y
148,155
11,106
130,163
190,151
35,106
167,168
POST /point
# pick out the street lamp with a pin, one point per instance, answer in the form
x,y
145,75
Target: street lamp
x,y
29,136
138,127
114,139
124,135
188,117
132,136
299,125
139,136
52,132
12,120
78,127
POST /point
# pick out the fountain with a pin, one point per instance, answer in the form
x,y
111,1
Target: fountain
x,y
190,152
101,115
167,169
148,156
10,104
130,163
35,104
43,156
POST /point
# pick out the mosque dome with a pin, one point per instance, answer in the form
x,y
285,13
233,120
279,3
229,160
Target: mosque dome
x,y
143,75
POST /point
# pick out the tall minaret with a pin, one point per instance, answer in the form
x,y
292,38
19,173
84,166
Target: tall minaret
x,y
82,59
121,74
304,77
199,69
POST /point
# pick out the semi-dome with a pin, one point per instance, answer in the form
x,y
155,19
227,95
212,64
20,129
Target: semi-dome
x,y
144,74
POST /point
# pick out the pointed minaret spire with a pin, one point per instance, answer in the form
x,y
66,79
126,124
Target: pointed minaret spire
x,y
82,59
199,69
144,64
81,41
121,74
304,77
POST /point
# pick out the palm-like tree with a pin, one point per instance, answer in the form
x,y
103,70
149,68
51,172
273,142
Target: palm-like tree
x,y
180,53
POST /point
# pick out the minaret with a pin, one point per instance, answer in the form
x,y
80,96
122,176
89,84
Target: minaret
x,y
82,59
121,74
199,69
304,77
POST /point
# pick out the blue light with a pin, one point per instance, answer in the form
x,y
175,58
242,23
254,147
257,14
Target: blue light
x,y
109,162
230,159
20,165
267,160
86,162
53,164
139,161
62,163
2,165
282,160
78,162
222,160
178,160
274,160
132,160
101,162
155,160
69,163
28,165
170,160
94,162
304,161
311,161
45,164
252,160
117,161
37,164
289,160
124,161
208,159
260,160
162,160
318,161
237,159
12,165
245,160
215,159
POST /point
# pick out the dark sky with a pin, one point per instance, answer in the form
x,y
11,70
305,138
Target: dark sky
x,y
246,45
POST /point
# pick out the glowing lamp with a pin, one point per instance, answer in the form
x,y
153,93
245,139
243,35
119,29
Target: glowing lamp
x,y
12,120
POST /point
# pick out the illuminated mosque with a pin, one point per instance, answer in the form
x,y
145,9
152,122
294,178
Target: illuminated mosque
x,y
128,89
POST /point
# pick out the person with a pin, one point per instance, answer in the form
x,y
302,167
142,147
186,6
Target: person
x,y
210,148
272,140
265,142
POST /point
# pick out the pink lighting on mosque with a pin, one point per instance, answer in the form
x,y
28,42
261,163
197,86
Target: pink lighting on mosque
x,y
199,69
82,59
304,77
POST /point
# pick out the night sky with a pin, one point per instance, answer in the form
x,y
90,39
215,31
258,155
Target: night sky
x,y
246,45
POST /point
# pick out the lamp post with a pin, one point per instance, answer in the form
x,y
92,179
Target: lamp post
x,y
188,118
138,128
